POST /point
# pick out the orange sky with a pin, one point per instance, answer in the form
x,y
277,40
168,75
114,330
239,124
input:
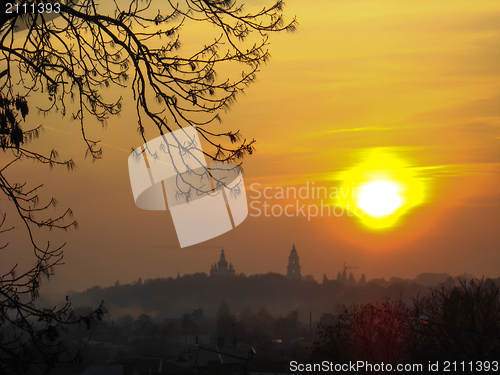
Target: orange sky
x,y
418,79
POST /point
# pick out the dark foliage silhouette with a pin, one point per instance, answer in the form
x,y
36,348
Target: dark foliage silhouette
x,y
452,323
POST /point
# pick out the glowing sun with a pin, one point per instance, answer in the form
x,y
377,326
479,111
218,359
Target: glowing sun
x,y
379,198
383,185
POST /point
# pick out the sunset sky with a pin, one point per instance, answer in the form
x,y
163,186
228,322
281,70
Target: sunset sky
x,y
409,90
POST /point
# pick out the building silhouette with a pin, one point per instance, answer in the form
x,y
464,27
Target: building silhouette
x,y
222,267
293,269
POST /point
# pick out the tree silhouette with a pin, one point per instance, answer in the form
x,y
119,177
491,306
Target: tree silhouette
x,y
79,53
225,321
373,332
188,325
463,321
67,58
459,323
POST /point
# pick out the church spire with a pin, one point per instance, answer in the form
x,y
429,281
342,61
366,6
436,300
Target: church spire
x,y
293,269
222,267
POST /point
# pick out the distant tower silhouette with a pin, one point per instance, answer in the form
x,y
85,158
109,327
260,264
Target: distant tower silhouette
x,y
293,269
352,280
222,268
362,281
343,277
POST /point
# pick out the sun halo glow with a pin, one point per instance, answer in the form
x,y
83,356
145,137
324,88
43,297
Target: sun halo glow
x,y
386,187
